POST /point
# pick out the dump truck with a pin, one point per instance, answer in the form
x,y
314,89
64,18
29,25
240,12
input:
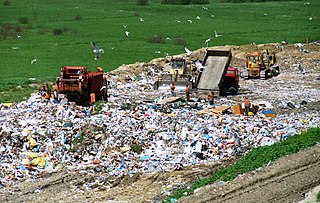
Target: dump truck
x,y
217,74
77,83
261,65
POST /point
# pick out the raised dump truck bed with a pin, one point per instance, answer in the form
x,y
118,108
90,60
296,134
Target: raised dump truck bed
x,y
216,63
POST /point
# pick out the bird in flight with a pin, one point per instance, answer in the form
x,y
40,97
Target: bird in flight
x,y
207,41
33,61
127,33
190,21
216,34
187,51
96,50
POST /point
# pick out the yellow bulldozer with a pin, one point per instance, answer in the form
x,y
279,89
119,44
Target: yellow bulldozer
x,y
261,65
180,71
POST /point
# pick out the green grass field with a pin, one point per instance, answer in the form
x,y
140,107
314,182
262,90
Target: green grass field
x,y
83,21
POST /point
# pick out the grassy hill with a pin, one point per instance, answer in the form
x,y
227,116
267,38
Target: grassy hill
x,y
58,33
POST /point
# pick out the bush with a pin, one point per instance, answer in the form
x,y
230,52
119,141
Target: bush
x,y
23,20
78,17
156,39
57,31
7,3
318,197
142,2
185,2
179,41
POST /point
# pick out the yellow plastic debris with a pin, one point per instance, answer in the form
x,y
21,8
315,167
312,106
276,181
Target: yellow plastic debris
x,y
38,161
31,154
250,113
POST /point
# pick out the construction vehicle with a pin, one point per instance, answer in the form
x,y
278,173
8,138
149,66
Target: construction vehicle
x,y
218,75
261,65
180,71
213,73
77,82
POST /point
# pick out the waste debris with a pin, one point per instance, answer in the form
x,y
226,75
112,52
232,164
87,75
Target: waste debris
x,y
141,130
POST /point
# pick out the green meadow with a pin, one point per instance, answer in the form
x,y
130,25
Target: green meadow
x,y
59,33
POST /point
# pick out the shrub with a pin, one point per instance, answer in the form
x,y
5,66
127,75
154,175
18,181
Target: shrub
x,y
78,17
7,3
136,14
179,41
318,197
156,39
57,31
142,2
23,20
185,2
18,28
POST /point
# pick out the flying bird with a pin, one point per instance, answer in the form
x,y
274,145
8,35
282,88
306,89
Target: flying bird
x,y
125,26
190,21
127,33
141,20
178,21
216,34
187,51
33,61
199,66
19,36
96,50
198,18
207,41
205,8
212,16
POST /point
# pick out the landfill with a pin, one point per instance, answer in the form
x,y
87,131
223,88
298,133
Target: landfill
x,y
134,132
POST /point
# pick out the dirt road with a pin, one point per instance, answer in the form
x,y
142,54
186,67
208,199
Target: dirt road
x,y
286,180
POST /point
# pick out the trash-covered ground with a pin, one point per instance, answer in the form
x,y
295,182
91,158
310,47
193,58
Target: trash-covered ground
x,y
134,150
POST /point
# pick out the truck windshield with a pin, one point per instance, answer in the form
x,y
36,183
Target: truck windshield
x,y
177,64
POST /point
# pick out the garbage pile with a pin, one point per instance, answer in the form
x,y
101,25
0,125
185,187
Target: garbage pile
x,y
132,133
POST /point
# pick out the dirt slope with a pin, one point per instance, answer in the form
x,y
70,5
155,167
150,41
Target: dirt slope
x,y
286,180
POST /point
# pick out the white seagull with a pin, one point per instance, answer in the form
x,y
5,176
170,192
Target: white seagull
x,y
127,33
216,34
198,18
205,8
19,36
187,51
207,41
141,20
33,61
96,50
190,21
199,66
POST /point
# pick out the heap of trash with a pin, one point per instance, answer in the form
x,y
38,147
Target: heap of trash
x,y
141,130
